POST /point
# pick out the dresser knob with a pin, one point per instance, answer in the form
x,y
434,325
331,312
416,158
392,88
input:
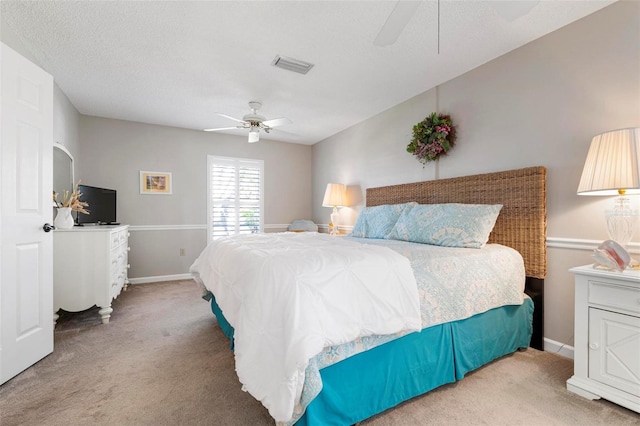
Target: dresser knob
x,y
129,249
128,266
594,346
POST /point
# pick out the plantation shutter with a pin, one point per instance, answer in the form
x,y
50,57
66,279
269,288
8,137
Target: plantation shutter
x,y
235,196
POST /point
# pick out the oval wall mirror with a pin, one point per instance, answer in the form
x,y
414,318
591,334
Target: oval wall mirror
x,y
63,178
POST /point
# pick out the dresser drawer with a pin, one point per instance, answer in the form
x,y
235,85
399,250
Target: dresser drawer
x,y
119,238
118,271
123,236
614,296
115,239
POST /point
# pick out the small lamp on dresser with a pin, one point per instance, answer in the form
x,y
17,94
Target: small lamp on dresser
x,y
613,168
334,196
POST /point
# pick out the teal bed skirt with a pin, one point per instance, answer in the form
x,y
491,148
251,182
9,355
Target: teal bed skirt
x,y
370,382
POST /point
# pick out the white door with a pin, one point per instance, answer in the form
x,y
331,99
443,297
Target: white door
x,y
26,256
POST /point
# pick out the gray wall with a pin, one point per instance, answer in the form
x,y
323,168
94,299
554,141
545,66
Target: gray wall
x,y
113,152
538,105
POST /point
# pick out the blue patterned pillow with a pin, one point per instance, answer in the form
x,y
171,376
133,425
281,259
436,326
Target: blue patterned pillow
x,y
378,221
449,225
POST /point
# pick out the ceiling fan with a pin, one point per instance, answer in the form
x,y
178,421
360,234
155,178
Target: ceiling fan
x,y
254,122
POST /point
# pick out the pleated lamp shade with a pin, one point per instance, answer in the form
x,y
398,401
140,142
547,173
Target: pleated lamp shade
x,y
613,164
335,195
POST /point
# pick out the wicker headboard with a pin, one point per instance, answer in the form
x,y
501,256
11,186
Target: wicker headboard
x,y
522,223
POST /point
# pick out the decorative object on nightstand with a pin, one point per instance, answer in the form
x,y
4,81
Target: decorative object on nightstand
x,y
335,196
607,336
613,168
611,255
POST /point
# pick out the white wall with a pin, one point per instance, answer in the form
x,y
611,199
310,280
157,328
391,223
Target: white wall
x,y
65,115
113,152
538,105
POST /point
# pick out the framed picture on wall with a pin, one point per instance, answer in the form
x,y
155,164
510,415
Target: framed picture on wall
x,y
155,182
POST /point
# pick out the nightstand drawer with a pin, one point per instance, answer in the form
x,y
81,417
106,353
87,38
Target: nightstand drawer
x,y
614,296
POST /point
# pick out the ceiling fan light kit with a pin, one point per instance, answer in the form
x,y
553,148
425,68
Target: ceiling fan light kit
x,y
253,121
254,134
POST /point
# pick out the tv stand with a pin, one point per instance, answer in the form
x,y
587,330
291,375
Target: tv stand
x,y
90,267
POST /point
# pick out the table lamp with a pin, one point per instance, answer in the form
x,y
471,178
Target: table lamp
x,y
335,196
613,168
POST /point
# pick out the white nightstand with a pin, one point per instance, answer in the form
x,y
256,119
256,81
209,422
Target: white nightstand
x,y
607,336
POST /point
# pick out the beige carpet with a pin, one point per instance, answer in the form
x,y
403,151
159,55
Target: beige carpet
x,y
163,361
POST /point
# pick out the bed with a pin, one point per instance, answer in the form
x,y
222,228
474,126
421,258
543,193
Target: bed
x,y
351,381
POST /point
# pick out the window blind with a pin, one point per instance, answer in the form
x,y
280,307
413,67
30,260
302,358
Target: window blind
x,y
235,196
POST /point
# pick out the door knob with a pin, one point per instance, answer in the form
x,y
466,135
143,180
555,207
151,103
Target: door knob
x,y
48,227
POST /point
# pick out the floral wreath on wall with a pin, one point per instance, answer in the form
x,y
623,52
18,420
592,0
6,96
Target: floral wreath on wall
x,y
432,137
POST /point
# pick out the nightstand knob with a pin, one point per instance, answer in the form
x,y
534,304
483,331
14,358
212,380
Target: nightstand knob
x,y
594,346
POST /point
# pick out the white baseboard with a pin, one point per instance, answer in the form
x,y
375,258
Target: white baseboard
x,y
558,348
160,278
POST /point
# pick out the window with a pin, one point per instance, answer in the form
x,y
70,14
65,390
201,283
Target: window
x,y
235,196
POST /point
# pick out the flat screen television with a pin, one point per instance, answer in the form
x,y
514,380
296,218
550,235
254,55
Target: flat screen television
x,y
102,205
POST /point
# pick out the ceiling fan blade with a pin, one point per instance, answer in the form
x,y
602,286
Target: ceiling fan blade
x,y
223,128
397,20
277,122
229,117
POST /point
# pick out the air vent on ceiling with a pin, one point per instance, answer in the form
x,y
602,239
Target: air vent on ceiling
x,y
291,64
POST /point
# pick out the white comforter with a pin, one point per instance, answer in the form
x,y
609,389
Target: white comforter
x,y
290,295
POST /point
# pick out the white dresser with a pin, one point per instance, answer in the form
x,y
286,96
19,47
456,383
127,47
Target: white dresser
x,y
607,336
90,267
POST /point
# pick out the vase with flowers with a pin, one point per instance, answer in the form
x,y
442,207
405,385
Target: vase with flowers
x,y
70,202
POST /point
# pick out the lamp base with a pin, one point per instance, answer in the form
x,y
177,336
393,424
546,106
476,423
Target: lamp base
x,y
333,225
621,221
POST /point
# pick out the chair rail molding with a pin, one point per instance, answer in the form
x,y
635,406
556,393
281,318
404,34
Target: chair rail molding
x,y
556,242
581,244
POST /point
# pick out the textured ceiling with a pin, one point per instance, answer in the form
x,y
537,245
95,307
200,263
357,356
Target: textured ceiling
x,y
178,63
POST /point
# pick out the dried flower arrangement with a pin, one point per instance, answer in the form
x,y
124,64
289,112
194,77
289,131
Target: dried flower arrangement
x,y
71,200
432,137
